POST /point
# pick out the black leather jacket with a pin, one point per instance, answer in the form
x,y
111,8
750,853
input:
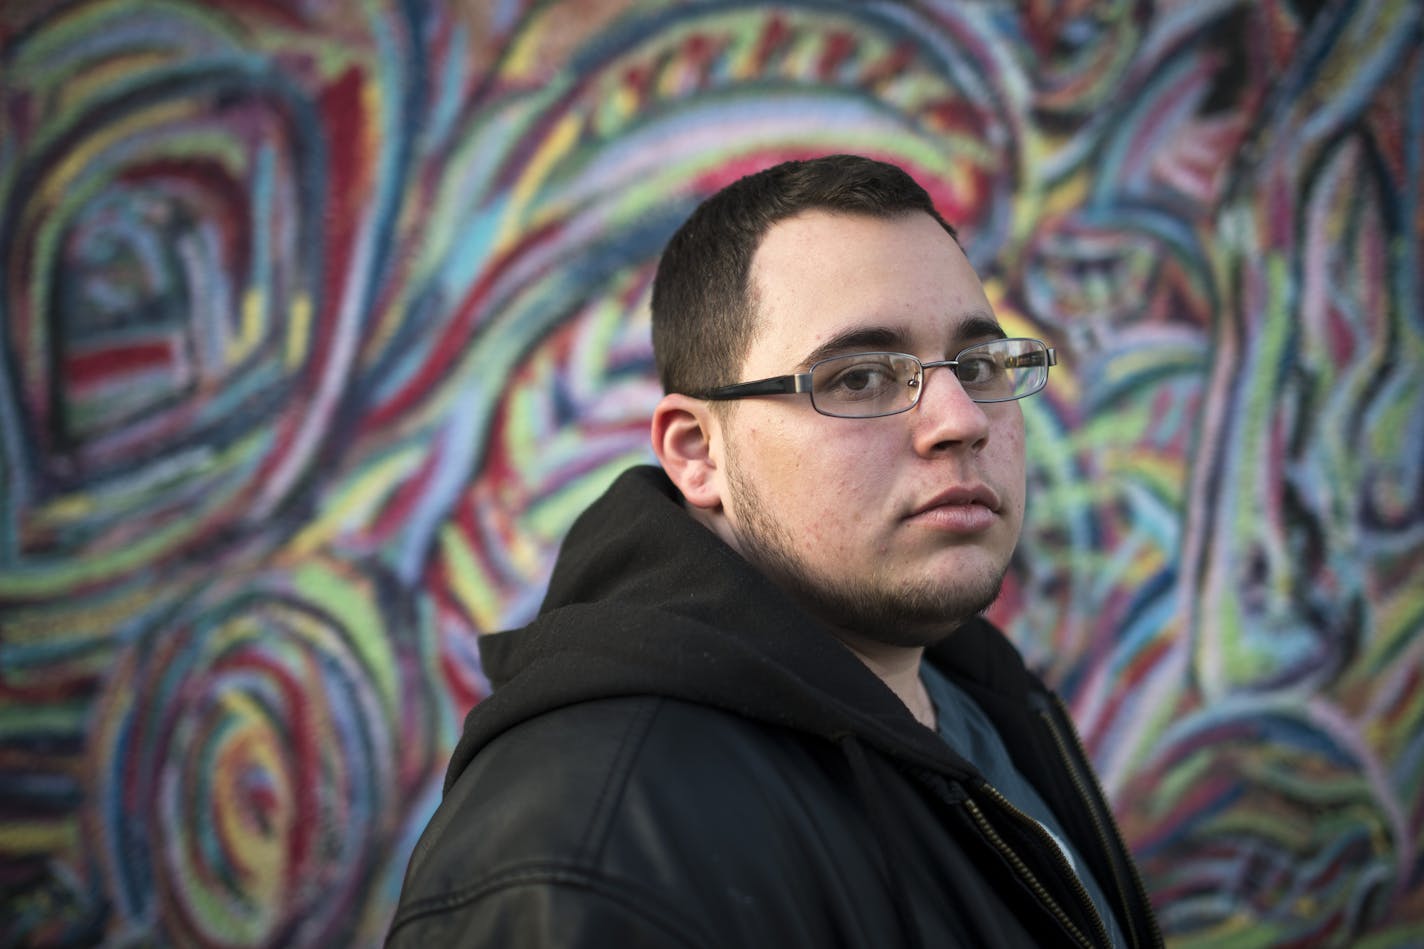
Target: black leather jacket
x,y
675,755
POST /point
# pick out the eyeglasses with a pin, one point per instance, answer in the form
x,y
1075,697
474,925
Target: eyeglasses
x,y
869,385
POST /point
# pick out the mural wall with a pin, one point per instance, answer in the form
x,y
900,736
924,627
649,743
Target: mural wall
x,y
321,321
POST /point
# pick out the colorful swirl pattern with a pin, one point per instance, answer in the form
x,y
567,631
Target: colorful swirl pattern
x,y
270,769
322,322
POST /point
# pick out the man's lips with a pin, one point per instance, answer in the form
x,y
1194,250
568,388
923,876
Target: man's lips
x,y
960,495
962,509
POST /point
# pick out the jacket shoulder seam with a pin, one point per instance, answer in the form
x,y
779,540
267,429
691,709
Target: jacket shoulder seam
x,y
629,896
611,792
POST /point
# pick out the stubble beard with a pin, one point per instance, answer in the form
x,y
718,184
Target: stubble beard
x,y
906,613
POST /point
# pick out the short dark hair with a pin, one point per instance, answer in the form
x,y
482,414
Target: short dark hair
x,y
703,314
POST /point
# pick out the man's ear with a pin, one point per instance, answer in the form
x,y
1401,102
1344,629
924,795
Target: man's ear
x,y
686,438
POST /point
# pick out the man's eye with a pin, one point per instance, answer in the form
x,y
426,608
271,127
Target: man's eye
x,y
860,380
978,369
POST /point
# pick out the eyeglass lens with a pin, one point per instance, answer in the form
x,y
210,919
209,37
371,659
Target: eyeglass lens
x,y
863,385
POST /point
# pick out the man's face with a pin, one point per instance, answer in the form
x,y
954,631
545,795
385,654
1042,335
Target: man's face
x,y
894,528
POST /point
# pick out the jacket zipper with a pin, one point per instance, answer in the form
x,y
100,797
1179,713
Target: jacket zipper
x,y
1098,815
1027,875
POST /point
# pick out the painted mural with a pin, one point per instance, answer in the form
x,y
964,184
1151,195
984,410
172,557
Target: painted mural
x,y
321,322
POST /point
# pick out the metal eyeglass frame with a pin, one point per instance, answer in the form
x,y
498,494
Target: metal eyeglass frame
x,y
801,381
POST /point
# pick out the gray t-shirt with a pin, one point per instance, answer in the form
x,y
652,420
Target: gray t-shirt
x,y
965,728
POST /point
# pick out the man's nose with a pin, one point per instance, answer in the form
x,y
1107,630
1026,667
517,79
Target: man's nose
x,y
945,416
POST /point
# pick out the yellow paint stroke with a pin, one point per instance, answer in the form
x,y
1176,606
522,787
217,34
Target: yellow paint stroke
x,y
37,837
561,139
86,155
464,574
249,327
299,322
354,504
109,75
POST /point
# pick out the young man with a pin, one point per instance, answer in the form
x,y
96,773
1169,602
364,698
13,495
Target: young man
x,y
759,706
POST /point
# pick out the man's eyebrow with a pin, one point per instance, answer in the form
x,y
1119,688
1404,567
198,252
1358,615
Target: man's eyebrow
x,y
858,340
978,326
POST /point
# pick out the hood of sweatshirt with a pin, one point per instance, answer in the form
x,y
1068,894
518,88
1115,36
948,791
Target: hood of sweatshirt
x,y
644,600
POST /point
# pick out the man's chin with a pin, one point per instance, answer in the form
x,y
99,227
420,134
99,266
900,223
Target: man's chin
x,y
907,615
925,596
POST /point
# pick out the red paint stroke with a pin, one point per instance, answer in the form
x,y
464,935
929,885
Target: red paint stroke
x,y
839,47
396,514
773,37
346,194
344,201
89,369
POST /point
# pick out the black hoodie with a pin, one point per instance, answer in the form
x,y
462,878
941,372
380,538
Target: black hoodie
x,y
675,753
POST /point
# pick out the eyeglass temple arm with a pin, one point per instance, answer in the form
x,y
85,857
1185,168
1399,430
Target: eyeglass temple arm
x,y
800,382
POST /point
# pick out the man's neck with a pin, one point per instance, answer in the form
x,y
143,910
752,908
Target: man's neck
x,y
899,668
